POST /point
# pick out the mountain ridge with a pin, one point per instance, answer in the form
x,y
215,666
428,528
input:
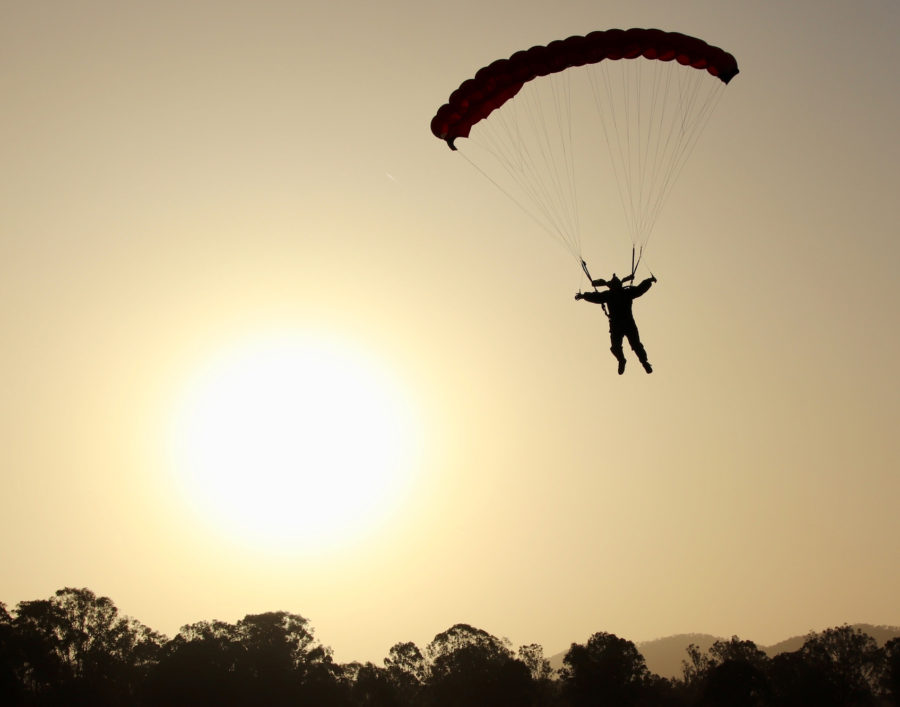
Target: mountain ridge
x,y
664,655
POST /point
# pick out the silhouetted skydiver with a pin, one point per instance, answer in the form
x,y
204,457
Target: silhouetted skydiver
x,y
617,300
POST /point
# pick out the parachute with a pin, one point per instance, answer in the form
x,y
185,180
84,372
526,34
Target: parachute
x,y
555,126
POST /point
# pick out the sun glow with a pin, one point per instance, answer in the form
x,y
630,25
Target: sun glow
x,y
293,443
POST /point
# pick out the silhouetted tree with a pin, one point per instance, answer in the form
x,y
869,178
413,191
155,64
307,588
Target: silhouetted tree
x,y
78,650
464,636
406,658
735,675
797,683
11,661
694,673
278,655
321,682
735,683
546,688
839,667
469,666
40,667
737,650
890,677
607,670
661,692
533,656
371,686
270,659
198,667
850,658
408,671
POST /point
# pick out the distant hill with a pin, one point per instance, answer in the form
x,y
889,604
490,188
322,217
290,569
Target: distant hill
x,y
664,655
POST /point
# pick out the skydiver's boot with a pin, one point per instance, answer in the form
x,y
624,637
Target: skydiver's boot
x,y
638,348
620,357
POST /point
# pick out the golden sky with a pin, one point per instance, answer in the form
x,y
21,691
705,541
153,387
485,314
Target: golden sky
x,y
219,216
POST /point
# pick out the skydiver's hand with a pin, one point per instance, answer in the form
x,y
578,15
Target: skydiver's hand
x,y
579,295
653,278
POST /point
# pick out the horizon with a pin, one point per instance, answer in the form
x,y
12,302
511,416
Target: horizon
x,y
551,656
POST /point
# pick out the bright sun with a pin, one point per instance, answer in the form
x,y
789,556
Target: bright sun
x,y
293,443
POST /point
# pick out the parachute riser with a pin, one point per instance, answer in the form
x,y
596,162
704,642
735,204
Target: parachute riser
x,y
591,280
588,273
636,262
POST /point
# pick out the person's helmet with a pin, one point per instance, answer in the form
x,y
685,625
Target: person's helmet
x,y
614,282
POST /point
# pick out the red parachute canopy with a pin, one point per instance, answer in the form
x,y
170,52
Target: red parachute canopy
x,y
496,83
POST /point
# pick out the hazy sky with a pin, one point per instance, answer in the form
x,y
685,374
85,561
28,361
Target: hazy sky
x,y
199,196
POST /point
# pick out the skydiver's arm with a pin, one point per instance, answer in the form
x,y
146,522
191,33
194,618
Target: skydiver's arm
x,y
595,297
638,290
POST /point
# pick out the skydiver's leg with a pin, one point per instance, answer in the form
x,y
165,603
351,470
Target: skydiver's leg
x,y
615,338
634,338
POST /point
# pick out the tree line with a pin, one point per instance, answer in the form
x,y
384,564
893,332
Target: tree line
x,y
76,649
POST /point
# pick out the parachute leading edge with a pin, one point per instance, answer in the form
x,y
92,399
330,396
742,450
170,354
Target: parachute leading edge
x,y
496,83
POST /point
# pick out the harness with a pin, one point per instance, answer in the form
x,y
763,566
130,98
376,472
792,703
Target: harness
x,y
635,262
